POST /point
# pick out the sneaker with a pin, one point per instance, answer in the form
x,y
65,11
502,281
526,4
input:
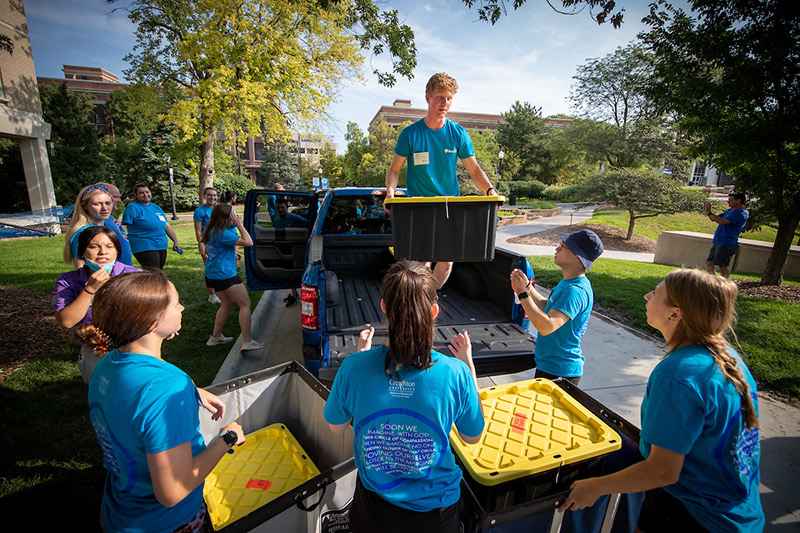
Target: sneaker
x,y
252,344
214,299
288,297
292,301
214,341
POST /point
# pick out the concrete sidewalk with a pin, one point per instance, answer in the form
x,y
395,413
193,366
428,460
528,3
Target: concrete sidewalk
x,y
619,361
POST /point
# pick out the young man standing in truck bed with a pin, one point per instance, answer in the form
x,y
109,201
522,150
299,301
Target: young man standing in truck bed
x,y
561,319
432,146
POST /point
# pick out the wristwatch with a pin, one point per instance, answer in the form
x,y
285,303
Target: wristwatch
x,y
523,295
230,437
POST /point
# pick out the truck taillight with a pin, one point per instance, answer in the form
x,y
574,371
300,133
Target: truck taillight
x,y
309,307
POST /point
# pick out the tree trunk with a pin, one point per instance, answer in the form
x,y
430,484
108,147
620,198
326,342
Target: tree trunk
x,y
631,222
776,264
206,166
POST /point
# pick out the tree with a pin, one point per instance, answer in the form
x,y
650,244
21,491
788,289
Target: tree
x,y
332,166
357,146
600,10
77,161
731,71
614,90
251,68
374,164
136,111
643,193
524,133
278,165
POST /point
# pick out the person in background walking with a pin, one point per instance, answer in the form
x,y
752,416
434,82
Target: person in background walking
x,y
148,229
221,239
146,412
726,237
200,217
92,207
699,438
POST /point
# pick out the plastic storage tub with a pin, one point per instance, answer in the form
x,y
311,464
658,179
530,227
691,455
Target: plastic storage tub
x,y
270,462
537,441
444,228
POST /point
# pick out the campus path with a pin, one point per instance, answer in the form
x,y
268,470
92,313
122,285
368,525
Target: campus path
x,y
618,363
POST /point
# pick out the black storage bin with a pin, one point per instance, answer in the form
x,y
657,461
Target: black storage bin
x,y
444,228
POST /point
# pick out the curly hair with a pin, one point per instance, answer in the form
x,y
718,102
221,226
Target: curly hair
x,y
441,81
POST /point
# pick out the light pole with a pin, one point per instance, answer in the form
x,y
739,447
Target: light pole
x,y
501,155
171,193
320,177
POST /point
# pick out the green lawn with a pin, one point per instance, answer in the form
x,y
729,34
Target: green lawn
x,y
48,446
651,227
766,329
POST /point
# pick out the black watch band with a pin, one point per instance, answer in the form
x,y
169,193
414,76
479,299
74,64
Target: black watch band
x,y
523,295
230,437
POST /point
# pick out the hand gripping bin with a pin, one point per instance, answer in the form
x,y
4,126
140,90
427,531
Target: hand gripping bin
x,y
537,441
283,405
444,228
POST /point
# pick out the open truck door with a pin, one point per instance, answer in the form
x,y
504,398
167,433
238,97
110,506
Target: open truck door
x,y
280,223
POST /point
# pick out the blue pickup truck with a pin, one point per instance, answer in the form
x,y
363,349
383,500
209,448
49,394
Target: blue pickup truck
x,y
336,244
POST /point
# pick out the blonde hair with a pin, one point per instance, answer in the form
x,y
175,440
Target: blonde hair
x,y
441,81
707,304
80,217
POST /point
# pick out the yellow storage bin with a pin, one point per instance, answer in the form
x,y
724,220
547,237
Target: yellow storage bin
x,y
270,463
537,439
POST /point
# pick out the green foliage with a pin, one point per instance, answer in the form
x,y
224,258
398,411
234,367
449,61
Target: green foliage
x,y
375,162
643,193
525,135
158,153
561,193
278,165
528,189
135,111
601,11
77,161
357,146
730,71
332,166
233,182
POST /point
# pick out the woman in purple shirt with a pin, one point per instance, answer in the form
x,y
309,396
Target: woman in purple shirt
x,y
99,248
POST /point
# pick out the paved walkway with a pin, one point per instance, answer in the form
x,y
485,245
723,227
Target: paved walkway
x,y
618,363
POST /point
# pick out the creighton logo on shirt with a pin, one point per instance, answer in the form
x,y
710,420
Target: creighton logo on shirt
x,y
448,151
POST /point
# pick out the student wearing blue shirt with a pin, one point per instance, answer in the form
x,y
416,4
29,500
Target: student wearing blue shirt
x,y
221,239
432,146
562,318
726,237
125,255
699,438
403,398
200,218
148,229
146,412
92,207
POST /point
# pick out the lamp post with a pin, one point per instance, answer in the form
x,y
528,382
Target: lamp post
x,y
320,177
501,155
171,193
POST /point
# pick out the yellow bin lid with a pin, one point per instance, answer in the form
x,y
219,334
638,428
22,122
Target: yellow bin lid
x,y
270,463
531,427
401,200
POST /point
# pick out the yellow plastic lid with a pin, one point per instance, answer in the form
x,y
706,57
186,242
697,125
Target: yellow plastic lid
x,y
270,463
443,199
531,427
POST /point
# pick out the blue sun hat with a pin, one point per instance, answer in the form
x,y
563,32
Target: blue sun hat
x,y
585,244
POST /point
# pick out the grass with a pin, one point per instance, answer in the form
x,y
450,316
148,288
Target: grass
x,y
651,227
49,449
766,330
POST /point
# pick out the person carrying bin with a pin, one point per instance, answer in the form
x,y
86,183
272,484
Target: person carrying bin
x,y
561,319
432,146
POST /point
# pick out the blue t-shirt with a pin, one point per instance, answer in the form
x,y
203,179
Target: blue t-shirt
x,y
432,156
221,250
559,353
146,226
202,214
139,405
690,408
290,221
729,233
401,428
125,255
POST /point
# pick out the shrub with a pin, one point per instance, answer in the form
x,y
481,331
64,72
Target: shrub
x,y
561,193
528,189
233,182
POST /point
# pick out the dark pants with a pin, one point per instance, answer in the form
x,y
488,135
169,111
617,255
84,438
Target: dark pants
x,y
664,513
151,258
370,513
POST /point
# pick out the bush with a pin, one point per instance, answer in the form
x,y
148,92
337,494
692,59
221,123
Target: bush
x,y
233,182
528,189
561,193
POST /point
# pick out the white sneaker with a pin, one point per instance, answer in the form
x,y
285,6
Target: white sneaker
x,y
252,344
214,341
214,299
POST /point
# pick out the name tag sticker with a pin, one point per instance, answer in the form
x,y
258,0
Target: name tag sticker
x,y
421,158
161,218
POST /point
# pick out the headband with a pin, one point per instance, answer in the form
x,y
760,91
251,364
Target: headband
x,y
93,188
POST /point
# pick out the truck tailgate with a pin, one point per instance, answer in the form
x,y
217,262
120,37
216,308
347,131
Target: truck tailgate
x,y
501,348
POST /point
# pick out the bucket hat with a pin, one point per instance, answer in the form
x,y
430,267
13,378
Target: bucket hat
x,y
585,244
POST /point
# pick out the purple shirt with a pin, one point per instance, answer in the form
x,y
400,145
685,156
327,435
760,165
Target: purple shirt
x,y
70,284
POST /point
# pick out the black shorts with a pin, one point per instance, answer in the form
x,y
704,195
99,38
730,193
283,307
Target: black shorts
x,y
151,258
721,254
370,513
222,284
664,513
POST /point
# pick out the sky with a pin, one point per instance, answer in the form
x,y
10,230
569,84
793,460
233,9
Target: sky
x,y
530,55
